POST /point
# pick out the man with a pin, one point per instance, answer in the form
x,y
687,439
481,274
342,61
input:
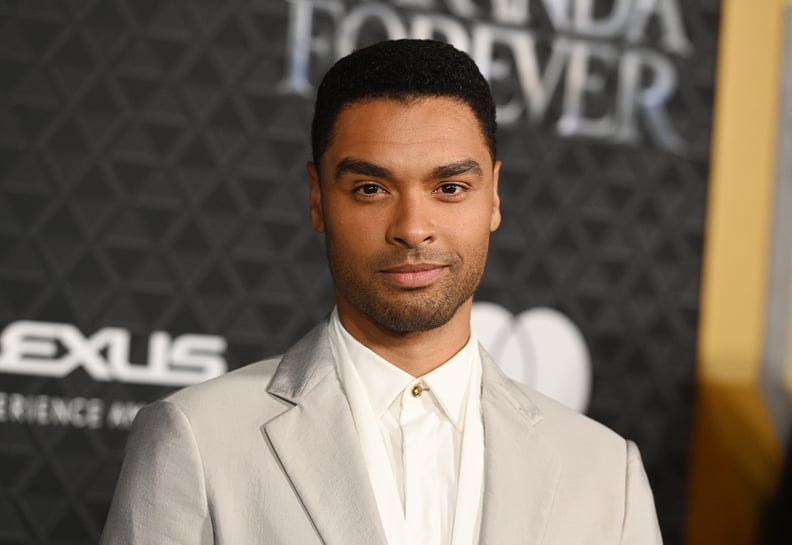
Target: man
x,y
386,424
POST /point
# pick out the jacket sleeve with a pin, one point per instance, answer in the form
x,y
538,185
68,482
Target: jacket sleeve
x,y
640,517
160,496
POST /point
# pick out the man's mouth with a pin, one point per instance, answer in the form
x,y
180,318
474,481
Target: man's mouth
x,y
414,275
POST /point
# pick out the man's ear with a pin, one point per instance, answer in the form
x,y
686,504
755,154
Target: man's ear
x,y
315,198
495,218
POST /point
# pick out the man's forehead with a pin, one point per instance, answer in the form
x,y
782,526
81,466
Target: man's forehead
x,y
390,114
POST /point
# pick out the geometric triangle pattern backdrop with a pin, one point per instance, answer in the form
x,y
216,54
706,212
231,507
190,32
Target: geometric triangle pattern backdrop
x,y
152,178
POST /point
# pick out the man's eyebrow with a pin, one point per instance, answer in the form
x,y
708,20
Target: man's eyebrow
x,y
467,166
350,165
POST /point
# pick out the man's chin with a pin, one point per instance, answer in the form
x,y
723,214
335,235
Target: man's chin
x,y
410,320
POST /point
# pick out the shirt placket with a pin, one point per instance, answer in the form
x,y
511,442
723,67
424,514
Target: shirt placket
x,y
422,504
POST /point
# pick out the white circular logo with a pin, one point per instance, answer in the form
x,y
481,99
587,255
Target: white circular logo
x,y
540,347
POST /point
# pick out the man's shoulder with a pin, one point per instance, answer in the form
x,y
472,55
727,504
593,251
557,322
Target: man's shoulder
x,y
238,390
567,428
592,471
264,388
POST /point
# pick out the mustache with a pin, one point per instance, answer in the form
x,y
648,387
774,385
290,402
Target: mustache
x,y
415,255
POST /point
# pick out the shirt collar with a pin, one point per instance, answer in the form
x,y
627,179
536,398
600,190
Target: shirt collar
x,y
450,383
384,382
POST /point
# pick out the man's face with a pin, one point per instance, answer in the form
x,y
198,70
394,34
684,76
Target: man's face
x,y
407,200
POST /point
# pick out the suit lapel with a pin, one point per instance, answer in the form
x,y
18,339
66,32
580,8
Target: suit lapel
x,y
316,443
521,469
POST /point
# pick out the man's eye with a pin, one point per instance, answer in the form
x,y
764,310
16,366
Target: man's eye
x,y
450,189
368,189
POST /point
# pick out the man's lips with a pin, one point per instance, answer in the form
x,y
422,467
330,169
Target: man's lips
x,y
414,275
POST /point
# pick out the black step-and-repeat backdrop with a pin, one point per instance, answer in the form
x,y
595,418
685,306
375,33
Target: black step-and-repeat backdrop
x,y
154,228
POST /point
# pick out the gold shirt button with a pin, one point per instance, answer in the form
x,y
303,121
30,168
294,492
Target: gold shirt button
x,y
417,390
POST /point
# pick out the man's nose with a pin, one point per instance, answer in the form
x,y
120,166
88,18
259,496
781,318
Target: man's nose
x,y
412,223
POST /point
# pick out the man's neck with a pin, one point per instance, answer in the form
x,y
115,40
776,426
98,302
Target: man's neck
x,y
416,353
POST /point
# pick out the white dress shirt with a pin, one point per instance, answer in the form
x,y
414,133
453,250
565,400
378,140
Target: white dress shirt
x,y
422,440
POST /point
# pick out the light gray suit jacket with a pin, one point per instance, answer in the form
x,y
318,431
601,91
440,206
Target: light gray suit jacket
x,y
268,454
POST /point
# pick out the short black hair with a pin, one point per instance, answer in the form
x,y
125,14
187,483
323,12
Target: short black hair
x,y
402,70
